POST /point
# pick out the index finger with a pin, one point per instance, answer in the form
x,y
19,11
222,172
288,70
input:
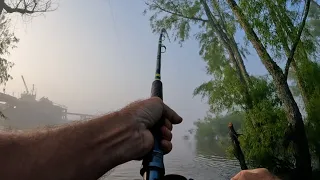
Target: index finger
x,y
171,115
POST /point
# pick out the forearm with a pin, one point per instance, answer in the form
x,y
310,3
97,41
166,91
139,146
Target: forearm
x,y
82,150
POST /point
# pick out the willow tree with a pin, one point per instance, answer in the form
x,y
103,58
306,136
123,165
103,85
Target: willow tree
x,y
301,148
279,28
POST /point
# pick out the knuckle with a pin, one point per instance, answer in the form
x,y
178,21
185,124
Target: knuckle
x,y
156,99
244,173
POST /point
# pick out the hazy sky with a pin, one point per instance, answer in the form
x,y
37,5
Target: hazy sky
x,y
80,57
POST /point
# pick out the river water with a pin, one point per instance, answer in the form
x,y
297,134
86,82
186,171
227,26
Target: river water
x,y
183,160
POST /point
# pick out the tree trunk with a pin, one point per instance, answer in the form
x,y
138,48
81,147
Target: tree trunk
x,y
301,55
236,147
294,117
226,42
240,60
1,6
231,42
275,16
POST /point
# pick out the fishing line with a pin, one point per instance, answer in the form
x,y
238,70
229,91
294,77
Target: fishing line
x,y
115,30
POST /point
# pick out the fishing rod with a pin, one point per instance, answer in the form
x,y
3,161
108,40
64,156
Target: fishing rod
x,y
152,164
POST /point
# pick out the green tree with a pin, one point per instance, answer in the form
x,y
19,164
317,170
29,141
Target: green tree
x,y
304,65
7,41
278,35
277,29
301,148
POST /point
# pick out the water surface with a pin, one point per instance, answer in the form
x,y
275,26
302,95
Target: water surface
x,y
184,160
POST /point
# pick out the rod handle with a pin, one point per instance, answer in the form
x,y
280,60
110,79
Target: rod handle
x,y
152,164
156,89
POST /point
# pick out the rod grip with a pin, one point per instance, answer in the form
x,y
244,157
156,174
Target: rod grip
x,y
152,164
156,89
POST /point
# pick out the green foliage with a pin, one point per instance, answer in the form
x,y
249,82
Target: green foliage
x,y
212,52
263,133
172,19
261,128
313,122
7,42
314,21
262,88
276,24
217,126
224,93
313,126
212,132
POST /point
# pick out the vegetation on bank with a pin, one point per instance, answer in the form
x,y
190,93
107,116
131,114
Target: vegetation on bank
x,y
278,113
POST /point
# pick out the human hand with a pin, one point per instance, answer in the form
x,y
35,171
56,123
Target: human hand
x,y
145,114
253,174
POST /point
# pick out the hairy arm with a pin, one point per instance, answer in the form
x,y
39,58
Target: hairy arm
x,y
82,150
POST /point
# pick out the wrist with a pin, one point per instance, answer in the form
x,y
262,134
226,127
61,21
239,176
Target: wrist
x,y
132,146
120,137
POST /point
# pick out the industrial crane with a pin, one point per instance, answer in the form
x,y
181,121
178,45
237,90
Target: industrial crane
x,y
25,85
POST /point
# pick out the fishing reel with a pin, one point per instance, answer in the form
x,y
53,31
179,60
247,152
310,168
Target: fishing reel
x,y
175,177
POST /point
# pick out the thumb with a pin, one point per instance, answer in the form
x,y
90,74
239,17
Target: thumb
x,y
147,112
157,110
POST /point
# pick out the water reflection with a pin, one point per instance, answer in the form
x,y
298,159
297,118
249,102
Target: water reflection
x,y
209,148
186,159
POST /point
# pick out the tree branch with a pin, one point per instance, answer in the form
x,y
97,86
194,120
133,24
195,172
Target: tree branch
x,y
297,40
176,13
221,16
29,7
315,3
